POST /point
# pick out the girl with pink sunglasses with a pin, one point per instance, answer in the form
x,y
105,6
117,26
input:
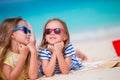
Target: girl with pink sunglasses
x,y
57,53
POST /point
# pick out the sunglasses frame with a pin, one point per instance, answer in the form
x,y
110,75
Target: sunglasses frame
x,y
53,29
23,28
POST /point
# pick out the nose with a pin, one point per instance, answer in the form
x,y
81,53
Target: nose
x,y
52,32
29,34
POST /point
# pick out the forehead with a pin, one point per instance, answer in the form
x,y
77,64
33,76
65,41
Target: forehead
x,y
54,24
22,23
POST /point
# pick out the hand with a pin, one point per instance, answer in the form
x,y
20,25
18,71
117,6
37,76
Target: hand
x,y
32,47
50,48
23,49
59,46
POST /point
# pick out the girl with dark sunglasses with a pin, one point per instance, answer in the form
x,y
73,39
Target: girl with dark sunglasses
x,y
18,54
56,52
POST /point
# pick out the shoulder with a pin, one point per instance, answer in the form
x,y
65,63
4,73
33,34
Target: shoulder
x,y
69,50
69,47
40,49
44,54
11,58
43,50
70,44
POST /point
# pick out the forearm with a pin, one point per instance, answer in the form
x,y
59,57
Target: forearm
x,y
33,68
50,67
17,70
63,65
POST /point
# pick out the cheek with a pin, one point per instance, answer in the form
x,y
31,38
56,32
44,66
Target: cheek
x,y
21,38
60,38
64,37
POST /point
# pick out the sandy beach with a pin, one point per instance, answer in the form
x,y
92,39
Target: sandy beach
x,y
98,47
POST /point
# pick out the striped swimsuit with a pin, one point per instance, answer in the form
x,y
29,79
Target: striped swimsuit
x,y
69,51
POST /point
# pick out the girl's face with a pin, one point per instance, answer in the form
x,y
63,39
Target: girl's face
x,y
20,35
52,37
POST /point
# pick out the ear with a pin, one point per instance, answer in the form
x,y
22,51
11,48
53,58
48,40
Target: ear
x,y
12,36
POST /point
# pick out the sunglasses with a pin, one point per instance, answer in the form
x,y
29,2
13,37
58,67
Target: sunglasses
x,y
23,28
56,30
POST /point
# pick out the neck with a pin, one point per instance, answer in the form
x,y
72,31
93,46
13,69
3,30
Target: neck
x,y
14,46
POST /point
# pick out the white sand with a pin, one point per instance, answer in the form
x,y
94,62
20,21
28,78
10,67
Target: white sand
x,y
98,44
98,74
98,47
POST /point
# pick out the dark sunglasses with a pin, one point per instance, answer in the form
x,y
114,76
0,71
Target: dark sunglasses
x,y
56,30
23,28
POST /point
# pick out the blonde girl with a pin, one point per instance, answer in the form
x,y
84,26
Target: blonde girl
x,y
56,51
18,55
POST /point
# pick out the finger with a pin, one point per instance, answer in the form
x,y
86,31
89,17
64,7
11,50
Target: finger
x,y
62,43
19,45
49,47
22,45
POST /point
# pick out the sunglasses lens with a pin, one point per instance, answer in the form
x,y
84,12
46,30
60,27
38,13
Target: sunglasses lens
x,y
57,31
29,31
47,31
25,30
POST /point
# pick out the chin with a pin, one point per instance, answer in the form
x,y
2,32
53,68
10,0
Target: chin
x,y
51,43
26,43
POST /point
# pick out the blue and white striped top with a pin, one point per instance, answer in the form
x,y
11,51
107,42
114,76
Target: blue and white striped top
x,y
69,51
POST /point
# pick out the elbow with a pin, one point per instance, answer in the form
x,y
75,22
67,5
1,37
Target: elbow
x,y
48,75
33,77
67,72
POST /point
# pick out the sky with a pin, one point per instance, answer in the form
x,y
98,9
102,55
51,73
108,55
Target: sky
x,y
79,15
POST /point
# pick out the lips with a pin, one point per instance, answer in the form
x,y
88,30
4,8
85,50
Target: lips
x,y
28,40
52,38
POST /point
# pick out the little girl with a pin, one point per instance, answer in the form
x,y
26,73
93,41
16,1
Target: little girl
x,y
56,52
18,54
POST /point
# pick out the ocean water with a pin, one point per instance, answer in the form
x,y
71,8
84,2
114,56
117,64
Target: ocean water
x,y
86,17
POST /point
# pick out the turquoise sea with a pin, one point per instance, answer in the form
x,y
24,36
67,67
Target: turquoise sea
x,y
79,15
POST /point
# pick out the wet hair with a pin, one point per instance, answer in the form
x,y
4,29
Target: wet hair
x,y
44,43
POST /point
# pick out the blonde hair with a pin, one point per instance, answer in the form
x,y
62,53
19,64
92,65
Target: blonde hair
x,y
6,30
44,43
